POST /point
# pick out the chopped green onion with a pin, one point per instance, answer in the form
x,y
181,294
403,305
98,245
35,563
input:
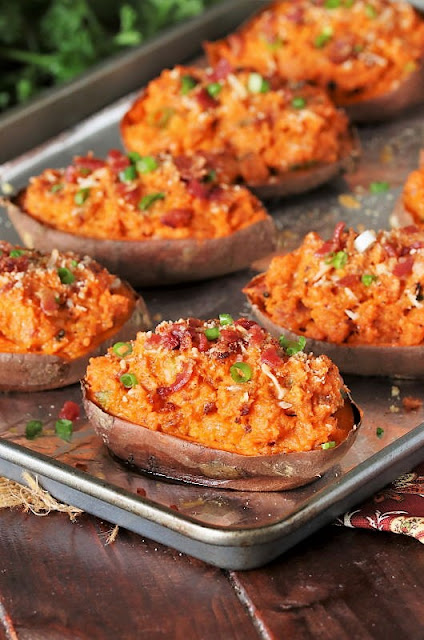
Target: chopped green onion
x,y
210,176
66,276
57,187
214,89
160,117
379,432
257,84
324,37
370,11
328,445
81,196
213,333
33,428
128,380
145,164
122,349
348,3
338,260
332,4
187,84
291,347
367,279
225,318
149,199
241,372
379,187
133,156
63,429
128,174
15,253
298,103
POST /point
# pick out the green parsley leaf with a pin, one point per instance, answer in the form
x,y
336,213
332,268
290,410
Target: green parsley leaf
x,y
57,187
225,319
371,11
128,174
213,333
324,37
332,4
128,380
16,253
241,372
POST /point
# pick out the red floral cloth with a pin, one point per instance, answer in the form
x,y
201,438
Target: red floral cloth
x,y
399,507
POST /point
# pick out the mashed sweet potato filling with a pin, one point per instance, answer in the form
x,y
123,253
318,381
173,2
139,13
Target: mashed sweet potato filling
x,y
139,197
355,288
58,303
263,123
224,384
357,49
413,194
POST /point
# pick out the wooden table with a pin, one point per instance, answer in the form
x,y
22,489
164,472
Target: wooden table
x,y
59,581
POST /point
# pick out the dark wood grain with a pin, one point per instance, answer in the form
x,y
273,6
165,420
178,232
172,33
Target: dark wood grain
x,y
59,581
340,584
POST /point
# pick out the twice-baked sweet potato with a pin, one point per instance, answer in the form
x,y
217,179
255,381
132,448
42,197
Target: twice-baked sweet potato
x,y
56,311
219,403
275,137
357,298
409,207
148,219
368,55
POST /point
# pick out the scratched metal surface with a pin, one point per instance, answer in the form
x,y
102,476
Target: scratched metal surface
x,y
390,152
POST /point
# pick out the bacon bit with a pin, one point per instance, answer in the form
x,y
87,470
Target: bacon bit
x,y
205,100
176,218
221,70
71,174
209,407
225,165
295,14
348,281
89,162
229,336
69,411
416,245
391,250
131,196
257,336
244,410
117,160
204,191
271,357
335,244
246,323
341,49
327,247
19,264
410,229
180,382
411,404
141,492
48,301
203,343
154,340
191,167
404,267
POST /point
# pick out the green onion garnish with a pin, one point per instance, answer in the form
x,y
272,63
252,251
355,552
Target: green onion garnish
x,y
57,187
225,318
122,349
33,428
15,253
128,174
213,333
187,84
332,4
128,380
348,3
379,432
370,11
81,196
133,156
241,372
379,187
214,89
145,164
210,176
328,445
63,429
298,103
367,279
291,347
149,199
324,37
74,263
338,260
257,84
66,276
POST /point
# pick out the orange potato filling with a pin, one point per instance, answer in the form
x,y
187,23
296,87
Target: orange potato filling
x,y
237,392
58,303
112,199
353,289
267,126
413,195
357,49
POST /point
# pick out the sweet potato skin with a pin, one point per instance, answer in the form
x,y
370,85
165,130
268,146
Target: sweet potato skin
x,y
160,453
39,372
157,261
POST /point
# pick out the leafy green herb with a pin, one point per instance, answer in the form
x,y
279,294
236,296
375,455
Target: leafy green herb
x,y
241,372
33,428
379,432
66,276
214,89
57,187
328,445
63,429
379,187
149,199
81,196
338,260
187,84
257,84
145,164
213,333
128,380
367,279
291,347
298,103
225,319
324,37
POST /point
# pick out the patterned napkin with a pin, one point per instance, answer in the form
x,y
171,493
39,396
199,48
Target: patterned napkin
x,y
399,507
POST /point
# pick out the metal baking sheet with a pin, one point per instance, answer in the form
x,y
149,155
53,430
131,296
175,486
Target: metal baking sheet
x,y
236,530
